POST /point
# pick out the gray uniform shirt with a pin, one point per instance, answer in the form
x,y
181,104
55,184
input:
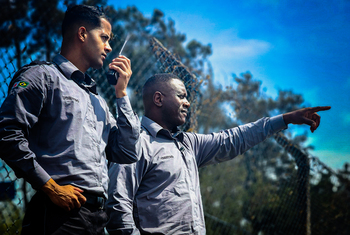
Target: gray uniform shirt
x,y
161,192
54,124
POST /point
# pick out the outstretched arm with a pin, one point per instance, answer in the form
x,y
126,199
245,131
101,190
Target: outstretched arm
x,y
227,144
308,116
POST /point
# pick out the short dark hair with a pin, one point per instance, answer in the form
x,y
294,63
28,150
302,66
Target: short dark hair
x,y
158,80
90,16
156,83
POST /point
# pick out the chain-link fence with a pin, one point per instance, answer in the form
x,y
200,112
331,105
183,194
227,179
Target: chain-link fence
x,y
288,193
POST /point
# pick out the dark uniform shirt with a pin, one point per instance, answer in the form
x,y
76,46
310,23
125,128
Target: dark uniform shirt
x,y
54,124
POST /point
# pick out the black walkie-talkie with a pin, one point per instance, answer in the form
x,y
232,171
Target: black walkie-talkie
x,y
112,75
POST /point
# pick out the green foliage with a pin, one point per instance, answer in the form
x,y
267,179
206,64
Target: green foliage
x,y
13,20
331,211
46,20
14,26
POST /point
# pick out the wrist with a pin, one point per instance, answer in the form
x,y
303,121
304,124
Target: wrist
x,y
49,187
120,94
286,118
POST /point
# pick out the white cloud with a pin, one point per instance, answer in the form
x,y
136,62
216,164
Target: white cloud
x,y
232,54
227,45
241,49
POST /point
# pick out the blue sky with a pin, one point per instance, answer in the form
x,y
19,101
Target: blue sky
x,y
301,46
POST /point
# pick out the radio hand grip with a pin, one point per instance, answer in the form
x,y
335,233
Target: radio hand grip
x,y
112,77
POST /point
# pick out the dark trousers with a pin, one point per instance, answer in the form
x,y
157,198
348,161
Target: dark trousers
x,y
42,217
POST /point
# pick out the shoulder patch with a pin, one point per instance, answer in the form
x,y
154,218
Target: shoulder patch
x,y
20,84
24,84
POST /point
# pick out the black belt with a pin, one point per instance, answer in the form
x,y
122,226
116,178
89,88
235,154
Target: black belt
x,y
94,200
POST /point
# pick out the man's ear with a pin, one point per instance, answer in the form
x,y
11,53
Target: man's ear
x,y
158,99
82,32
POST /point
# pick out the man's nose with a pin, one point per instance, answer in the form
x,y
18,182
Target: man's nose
x,y
108,47
187,104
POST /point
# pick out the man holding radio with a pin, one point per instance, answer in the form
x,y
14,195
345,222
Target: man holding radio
x,y
57,132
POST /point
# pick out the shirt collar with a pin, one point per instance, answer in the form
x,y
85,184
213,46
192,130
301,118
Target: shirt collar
x,y
155,129
70,71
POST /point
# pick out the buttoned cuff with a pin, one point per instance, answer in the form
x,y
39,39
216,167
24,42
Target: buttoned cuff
x,y
277,123
124,105
37,177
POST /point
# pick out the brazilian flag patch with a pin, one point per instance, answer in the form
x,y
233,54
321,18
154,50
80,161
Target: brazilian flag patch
x,y
20,84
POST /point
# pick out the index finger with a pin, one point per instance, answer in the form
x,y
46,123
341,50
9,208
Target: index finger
x,y
78,189
76,202
320,108
81,197
78,192
125,59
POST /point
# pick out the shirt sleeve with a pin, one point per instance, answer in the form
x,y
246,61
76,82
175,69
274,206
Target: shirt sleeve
x,y
123,185
227,144
18,114
123,143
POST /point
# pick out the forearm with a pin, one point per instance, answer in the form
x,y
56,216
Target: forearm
x,y
124,144
226,145
15,152
19,113
254,133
